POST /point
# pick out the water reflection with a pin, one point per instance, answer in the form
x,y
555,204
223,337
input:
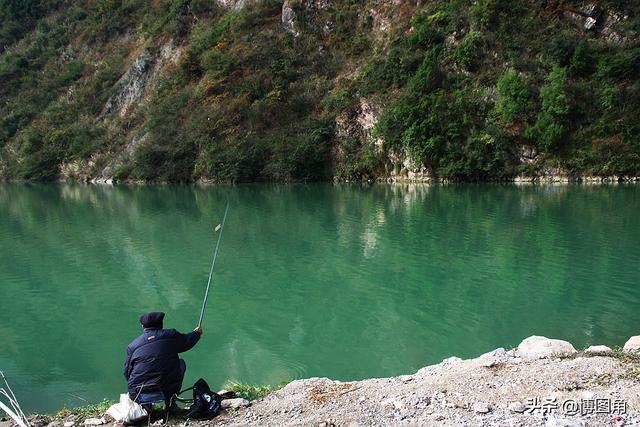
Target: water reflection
x,y
346,281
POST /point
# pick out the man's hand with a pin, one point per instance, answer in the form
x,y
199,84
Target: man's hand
x,y
199,330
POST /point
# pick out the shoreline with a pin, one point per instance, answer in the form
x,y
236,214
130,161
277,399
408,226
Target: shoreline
x,y
541,382
427,181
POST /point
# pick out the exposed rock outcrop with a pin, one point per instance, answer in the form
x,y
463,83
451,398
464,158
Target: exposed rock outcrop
x,y
592,17
130,87
235,4
357,124
288,19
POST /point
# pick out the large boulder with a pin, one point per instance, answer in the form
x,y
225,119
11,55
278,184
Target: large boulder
x,y
536,347
633,344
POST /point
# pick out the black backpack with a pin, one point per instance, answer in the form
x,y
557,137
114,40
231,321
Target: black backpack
x,y
206,403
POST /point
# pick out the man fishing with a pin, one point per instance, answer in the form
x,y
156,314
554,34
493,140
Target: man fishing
x,y
152,362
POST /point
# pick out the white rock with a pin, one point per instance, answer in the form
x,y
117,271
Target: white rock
x,y
69,424
536,347
493,358
517,407
598,349
589,23
453,360
406,378
481,408
95,421
235,403
633,344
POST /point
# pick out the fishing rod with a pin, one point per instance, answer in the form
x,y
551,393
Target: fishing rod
x,y
213,263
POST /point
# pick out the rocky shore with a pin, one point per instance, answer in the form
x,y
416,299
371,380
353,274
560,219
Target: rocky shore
x,y
542,382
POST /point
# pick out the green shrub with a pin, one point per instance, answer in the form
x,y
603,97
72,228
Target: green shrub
x,y
550,125
561,50
73,73
468,51
513,99
620,64
360,160
482,156
484,12
40,165
424,32
583,61
391,68
608,96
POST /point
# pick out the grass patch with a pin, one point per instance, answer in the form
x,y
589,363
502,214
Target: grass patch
x,y
624,356
631,373
252,391
92,410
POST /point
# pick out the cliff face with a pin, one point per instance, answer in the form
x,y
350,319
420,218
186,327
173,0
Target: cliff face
x,y
244,90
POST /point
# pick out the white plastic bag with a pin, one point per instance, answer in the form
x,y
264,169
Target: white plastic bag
x,y
127,411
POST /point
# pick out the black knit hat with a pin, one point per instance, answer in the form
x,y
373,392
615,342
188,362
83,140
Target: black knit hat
x,y
152,320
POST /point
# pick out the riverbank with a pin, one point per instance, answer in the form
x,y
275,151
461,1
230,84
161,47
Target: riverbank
x,y
542,382
421,178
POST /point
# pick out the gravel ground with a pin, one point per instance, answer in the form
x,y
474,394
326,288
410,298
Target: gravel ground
x,y
543,382
463,393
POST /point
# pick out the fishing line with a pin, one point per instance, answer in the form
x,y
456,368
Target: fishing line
x,y
213,264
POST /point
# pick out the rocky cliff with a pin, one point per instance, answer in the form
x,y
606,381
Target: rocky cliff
x,y
246,90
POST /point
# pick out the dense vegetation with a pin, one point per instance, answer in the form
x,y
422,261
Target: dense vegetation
x,y
460,88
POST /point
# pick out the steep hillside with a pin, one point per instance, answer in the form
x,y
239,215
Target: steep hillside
x,y
246,90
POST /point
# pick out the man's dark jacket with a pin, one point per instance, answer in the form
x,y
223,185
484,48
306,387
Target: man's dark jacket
x,y
152,360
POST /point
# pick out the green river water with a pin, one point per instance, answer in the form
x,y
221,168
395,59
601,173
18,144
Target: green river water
x,y
344,281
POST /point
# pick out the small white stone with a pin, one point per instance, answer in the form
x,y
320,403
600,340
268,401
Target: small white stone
x,y
95,421
69,424
235,403
517,407
594,349
481,408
